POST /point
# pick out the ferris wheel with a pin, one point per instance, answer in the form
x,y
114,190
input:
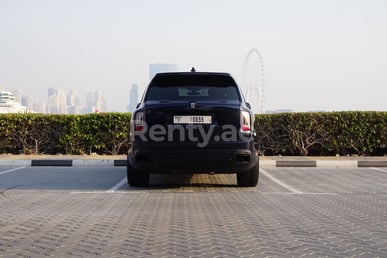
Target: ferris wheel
x,y
253,81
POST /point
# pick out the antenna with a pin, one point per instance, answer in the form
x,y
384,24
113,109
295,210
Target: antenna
x,y
193,69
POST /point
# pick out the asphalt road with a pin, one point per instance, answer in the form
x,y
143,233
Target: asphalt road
x,y
87,212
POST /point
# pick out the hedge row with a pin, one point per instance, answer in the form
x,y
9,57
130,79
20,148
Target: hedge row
x,y
105,133
362,133
343,133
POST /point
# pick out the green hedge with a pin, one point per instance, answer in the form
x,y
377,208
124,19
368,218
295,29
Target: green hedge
x,y
105,133
343,133
362,133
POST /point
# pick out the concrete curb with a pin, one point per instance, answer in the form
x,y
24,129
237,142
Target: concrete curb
x,y
324,163
263,163
62,163
15,163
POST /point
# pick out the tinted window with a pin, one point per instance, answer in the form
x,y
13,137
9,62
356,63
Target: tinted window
x,y
192,87
192,79
192,93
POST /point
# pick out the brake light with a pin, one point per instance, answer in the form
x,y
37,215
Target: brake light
x,y
139,121
245,122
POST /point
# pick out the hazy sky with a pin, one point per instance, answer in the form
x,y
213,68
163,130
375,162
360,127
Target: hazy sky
x,y
318,54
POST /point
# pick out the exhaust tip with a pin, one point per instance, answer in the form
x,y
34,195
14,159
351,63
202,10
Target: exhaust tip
x,y
243,158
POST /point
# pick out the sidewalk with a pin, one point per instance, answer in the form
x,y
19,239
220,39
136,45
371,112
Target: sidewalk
x,y
120,160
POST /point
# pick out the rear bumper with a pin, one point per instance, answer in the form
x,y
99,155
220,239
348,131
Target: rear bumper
x,y
199,160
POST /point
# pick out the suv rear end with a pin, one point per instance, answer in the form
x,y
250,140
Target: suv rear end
x,y
192,122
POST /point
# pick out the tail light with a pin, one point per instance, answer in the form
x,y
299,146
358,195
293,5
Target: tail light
x,y
245,122
139,121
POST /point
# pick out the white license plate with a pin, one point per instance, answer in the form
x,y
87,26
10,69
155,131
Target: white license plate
x,y
192,119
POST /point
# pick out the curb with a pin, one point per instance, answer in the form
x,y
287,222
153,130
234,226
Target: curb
x,y
63,163
263,163
324,163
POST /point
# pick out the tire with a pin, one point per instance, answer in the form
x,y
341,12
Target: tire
x,y
136,178
248,178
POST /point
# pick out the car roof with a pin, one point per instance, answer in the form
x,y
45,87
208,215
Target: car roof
x,y
192,74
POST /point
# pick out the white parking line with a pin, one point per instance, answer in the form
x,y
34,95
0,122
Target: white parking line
x,y
105,192
278,193
275,180
117,186
379,169
11,170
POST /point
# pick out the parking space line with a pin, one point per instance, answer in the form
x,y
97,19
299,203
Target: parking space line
x,y
106,192
379,169
275,180
11,170
117,186
280,193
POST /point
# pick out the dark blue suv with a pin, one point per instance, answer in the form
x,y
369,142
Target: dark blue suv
x,y
192,122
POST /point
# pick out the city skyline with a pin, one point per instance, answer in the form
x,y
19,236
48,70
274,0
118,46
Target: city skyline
x,y
58,102
318,55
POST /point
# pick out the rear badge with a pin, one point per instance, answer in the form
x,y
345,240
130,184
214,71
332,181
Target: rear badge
x,y
192,104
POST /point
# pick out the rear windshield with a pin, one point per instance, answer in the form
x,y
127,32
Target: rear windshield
x,y
192,79
192,93
203,87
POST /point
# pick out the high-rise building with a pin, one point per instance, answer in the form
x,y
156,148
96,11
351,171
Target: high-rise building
x,y
62,103
133,97
73,98
100,103
52,101
18,95
56,102
161,68
95,102
73,102
28,102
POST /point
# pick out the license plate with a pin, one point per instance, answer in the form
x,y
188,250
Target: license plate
x,y
192,119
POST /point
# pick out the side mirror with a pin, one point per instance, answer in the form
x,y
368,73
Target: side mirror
x,y
138,104
248,105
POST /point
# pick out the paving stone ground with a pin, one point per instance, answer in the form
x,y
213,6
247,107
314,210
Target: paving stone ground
x,y
75,212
